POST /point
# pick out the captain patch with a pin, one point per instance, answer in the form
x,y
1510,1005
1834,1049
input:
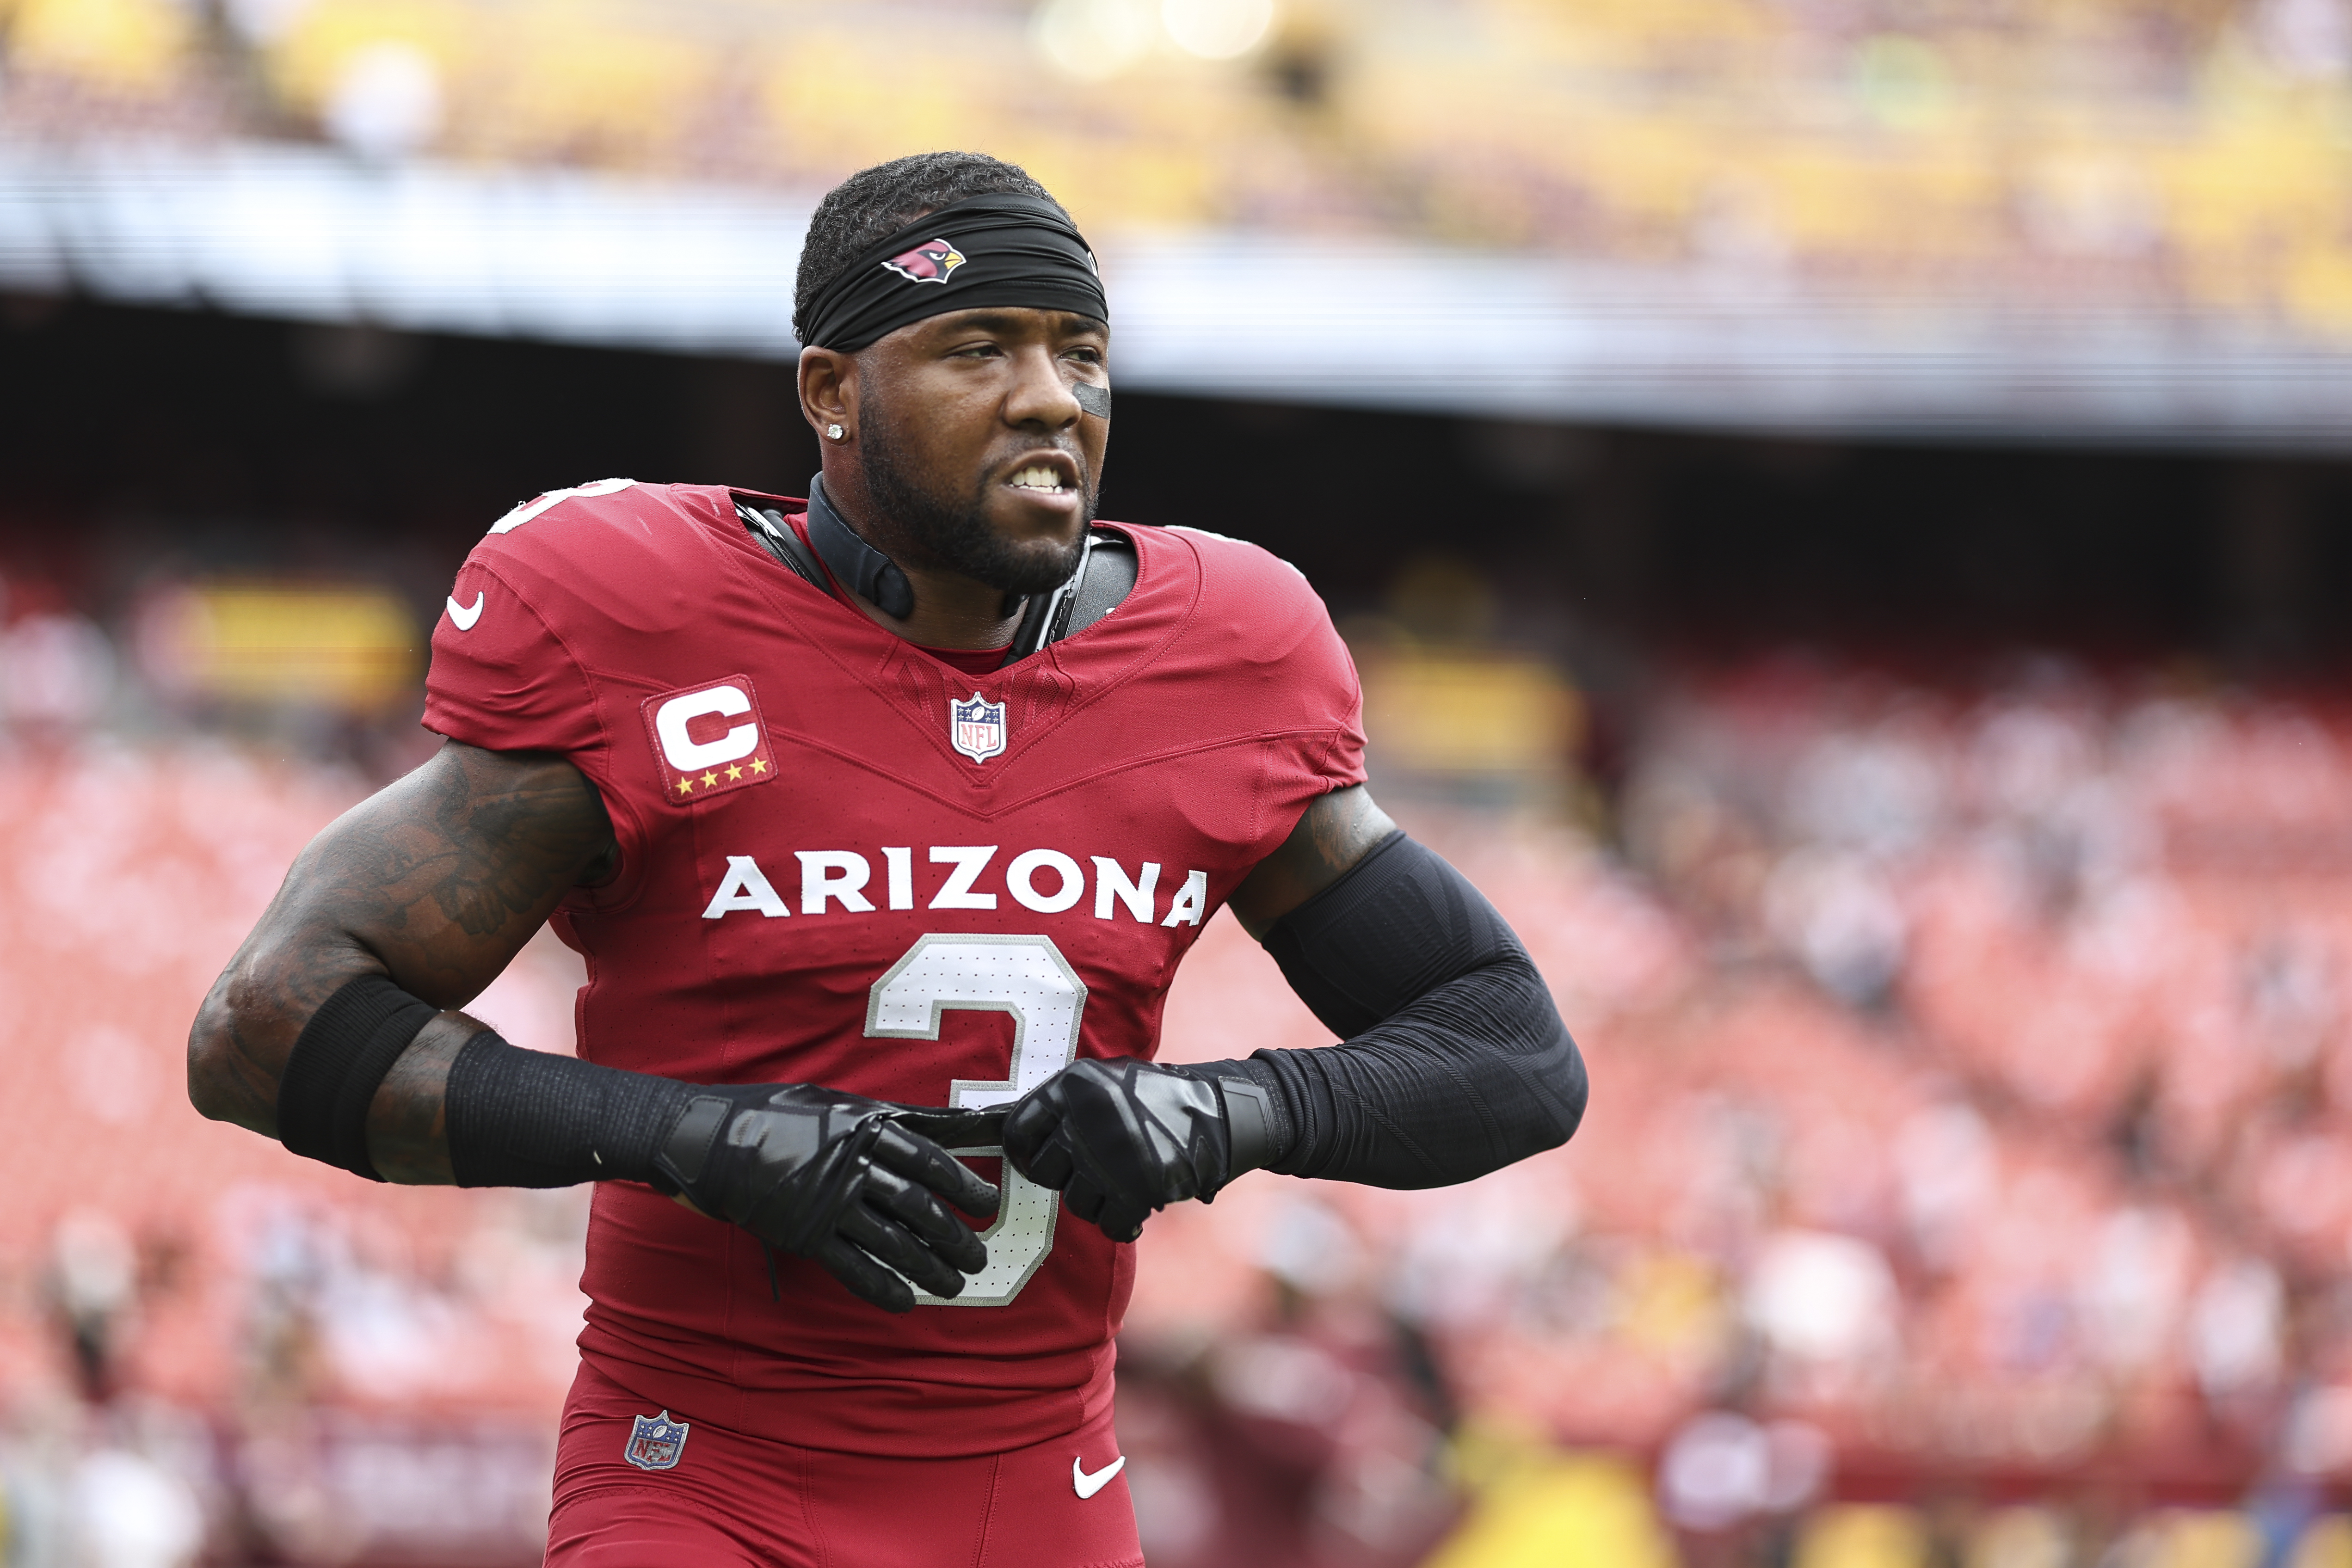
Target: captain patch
x,y
709,738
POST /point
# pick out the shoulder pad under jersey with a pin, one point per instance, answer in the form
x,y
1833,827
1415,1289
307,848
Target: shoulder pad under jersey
x,y
776,536
1106,575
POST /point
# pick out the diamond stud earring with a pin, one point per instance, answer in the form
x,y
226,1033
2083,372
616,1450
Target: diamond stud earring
x,y
835,432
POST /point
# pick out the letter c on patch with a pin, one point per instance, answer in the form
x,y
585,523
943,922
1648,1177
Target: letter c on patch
x,y
687,755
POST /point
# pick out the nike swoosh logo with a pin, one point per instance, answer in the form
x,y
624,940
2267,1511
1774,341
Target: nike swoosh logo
x,y
465,615
1086,1485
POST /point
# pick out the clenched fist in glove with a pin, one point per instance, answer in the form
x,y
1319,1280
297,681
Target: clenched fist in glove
x,y
1122,1138
853,1183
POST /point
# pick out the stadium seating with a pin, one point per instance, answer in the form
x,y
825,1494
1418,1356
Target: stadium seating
x,y
2074,158
1970,1082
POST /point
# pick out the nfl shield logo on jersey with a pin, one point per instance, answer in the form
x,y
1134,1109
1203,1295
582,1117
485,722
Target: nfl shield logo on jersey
x,y
656,1442
977,727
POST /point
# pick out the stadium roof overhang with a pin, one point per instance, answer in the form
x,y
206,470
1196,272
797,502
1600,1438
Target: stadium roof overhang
x,y
307,233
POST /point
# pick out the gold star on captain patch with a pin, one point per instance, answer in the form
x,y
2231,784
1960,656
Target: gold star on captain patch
x,y
759,765
708,780
734,771
685,786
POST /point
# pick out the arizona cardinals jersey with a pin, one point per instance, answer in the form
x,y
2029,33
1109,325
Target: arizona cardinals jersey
x,y
843,863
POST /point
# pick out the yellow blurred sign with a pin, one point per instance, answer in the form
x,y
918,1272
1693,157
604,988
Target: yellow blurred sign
x,y
1541,1507
1858,1535
351,649
2326,1544
1468,712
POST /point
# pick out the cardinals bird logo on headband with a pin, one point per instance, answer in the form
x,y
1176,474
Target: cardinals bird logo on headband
x,y
929,262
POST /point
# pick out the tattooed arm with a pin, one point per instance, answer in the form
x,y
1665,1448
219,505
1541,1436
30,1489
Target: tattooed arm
x,y
436,882
1337,832
427,890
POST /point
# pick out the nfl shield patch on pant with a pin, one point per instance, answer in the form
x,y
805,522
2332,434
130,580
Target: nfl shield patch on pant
x,y
656,1442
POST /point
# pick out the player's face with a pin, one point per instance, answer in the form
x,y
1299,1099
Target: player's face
x,y
975,446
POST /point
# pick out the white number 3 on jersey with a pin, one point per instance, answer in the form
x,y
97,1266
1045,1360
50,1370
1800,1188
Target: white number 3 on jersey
x,y
1028,977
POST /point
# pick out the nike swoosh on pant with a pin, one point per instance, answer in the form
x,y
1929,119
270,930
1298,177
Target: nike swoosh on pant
x,y
1086,1485
465,615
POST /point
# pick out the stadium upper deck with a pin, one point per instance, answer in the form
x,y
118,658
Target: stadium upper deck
x,y
2099,223
2186,153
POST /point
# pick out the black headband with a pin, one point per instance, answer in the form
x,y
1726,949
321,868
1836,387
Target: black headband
x,y
990,250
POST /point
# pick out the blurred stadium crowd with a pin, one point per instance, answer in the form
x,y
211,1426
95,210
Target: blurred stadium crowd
x,y
1968,1172
1969,1069
1970,1178
2163,154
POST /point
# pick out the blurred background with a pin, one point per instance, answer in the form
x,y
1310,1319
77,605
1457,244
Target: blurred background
x,y
1841,509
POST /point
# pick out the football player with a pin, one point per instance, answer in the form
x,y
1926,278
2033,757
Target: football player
x,y
882,819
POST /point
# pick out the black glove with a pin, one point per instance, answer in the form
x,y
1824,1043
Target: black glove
x,y
1122,1138
848,1181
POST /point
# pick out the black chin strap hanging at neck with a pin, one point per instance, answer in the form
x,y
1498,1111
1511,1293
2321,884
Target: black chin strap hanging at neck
x,y
865,570
1105,574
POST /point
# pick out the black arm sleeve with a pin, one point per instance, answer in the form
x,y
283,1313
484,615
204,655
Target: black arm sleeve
x,y
1454,1061
515,1117
526,1118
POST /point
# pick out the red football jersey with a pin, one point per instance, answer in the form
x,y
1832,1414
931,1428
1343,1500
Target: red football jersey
x,y
845,862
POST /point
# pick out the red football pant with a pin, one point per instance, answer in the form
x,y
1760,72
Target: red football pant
x,y
735,1502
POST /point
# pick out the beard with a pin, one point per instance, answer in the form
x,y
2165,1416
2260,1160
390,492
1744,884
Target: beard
x,y
949,532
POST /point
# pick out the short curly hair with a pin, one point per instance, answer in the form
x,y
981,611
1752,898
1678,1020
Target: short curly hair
x,y
875,204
